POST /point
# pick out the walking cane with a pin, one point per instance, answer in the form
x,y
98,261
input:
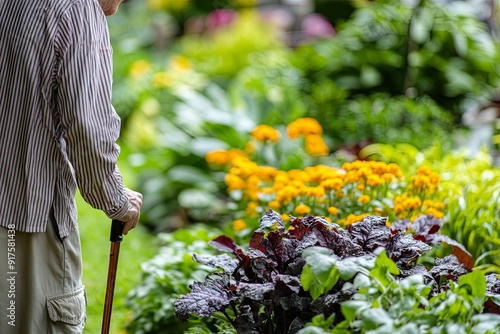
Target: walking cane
x,y
115,238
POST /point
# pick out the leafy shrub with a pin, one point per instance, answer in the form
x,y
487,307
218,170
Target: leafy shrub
x,y
288,276
227,51
386,304
381,118
428,50
165,278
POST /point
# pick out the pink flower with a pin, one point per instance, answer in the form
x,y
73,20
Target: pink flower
x,y
317,26
220,17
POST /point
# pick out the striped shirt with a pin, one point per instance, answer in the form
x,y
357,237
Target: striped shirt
x,y
58,129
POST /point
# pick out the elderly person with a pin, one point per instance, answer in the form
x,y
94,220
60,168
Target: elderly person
x,y
58,131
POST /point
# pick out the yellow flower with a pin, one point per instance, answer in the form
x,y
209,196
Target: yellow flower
x,y
374,180
360,186
218,157
426,179
266,173
252,209
299,175
364,199
317,192
264,133
222,157
239,224
351,177
336,183
234,182
428,203
285,217
434,212
439,205
352,218
333,211
275,205
161,80
139,69
250,147
180,63
302,209
316,146
304,127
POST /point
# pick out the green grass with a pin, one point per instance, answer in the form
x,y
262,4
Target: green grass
x,y
137,247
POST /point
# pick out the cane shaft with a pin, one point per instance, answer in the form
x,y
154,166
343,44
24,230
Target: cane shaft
x,y
110,286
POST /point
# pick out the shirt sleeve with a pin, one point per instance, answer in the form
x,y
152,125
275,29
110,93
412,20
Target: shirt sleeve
x,y
90,125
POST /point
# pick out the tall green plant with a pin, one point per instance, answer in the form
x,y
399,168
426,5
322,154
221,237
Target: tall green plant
x,y
391,47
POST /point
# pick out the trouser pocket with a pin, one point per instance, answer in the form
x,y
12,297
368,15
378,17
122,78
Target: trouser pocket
x,y
67,312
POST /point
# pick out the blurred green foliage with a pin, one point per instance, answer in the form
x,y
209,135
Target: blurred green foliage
x,y
442,52
393,74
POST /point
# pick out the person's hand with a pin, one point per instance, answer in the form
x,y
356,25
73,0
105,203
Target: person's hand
x,y
131,218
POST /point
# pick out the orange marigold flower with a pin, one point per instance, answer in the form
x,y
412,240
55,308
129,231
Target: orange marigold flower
x,y
317,192
428,203
234,182
265,133
364,199
388,177
218,157
222,157
335,183
239,224
250,147
333,211
274,205
304,127
351,219
316,146
252,209
302,209
434,212
374,180
439,205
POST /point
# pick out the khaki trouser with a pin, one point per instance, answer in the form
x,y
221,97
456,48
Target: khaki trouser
x,y
41,288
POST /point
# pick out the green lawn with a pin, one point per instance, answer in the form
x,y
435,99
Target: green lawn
x,y
137,247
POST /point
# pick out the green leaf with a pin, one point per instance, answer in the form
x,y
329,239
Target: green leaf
x,y
473,284
383,269
351,266
375,317
351,308
319,275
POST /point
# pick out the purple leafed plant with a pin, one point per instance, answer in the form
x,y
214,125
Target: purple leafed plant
x,y
259,290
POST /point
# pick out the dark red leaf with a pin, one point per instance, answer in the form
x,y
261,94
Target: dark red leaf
x,y
404,249
459,250
370,233
426,226
447,267
205,298
225,244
